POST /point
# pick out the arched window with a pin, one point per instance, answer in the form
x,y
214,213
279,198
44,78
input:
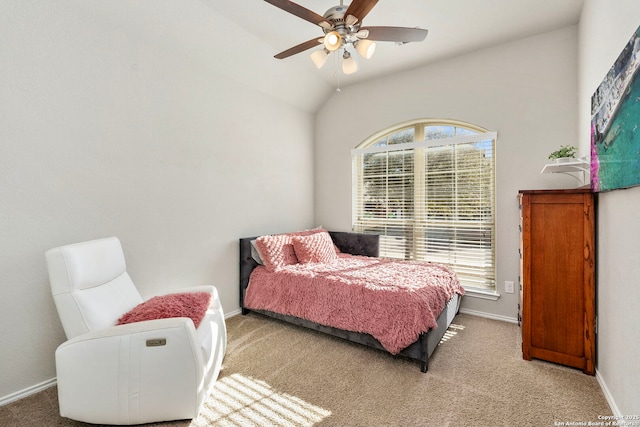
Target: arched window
x,y
428,188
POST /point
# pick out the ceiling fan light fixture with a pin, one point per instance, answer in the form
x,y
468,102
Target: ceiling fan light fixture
x,y
349,64
365,48
319,57
342,30
332,41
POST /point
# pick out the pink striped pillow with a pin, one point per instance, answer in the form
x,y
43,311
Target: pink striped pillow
x,y
307,232
314,248
276,251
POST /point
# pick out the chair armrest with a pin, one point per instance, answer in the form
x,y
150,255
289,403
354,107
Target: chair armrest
x,y
115,373
215,314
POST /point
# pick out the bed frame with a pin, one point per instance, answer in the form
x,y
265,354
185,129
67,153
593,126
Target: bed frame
x,y
355,244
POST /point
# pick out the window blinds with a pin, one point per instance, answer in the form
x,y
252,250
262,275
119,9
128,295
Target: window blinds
x,y
431,200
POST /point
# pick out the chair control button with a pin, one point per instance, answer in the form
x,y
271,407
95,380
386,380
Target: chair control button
x,y
156,342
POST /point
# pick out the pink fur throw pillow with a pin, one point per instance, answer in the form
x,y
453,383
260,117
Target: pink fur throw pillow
x,y
188,304
314,248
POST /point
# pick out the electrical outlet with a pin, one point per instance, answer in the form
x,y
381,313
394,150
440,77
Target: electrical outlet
x,y
509,287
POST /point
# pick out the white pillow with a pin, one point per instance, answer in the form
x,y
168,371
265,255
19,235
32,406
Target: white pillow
x,y
255,253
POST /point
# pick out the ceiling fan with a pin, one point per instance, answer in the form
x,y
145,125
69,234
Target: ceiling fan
x,y
342,27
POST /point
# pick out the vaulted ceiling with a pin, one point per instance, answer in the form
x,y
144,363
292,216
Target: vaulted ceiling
x,y
238,38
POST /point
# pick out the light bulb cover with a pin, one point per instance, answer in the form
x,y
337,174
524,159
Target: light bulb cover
x,y
332,41
349,64
319,57
365,48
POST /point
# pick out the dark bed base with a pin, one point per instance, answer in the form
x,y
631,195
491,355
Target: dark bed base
x,y
355,244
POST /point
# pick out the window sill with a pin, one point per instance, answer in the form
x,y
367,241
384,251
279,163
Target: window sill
x,y
481,293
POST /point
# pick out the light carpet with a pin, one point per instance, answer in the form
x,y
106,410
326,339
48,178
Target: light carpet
x,y
275,374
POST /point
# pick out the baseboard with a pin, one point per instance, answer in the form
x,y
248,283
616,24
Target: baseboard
x,y
607,395
27,392
489,315
232,313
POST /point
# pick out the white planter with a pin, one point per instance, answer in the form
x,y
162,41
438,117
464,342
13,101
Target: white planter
x,y
564,160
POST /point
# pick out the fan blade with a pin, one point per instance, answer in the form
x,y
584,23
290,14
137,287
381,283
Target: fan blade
x,y
396,34
360,8
300,12
299,48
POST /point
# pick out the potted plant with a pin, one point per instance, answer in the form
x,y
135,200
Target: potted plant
x,y
564,154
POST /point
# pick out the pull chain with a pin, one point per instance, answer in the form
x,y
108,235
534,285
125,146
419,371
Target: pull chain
x,y
336,73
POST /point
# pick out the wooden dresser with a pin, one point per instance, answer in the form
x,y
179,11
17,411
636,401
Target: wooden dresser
x,y
557,289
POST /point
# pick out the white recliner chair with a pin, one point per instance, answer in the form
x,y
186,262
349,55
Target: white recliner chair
x,y
149,371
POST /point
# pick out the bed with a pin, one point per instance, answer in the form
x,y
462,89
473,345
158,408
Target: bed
x,y
361,245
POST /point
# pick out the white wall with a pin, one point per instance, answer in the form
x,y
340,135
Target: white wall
x,y
107,133
605,28
525,90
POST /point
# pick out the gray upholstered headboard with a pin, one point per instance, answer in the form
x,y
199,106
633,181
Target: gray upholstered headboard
x,y
347,242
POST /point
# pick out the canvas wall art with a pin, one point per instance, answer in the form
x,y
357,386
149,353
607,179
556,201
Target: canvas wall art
x,y
615,123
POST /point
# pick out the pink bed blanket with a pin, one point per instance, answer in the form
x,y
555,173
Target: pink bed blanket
x,y
394,301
